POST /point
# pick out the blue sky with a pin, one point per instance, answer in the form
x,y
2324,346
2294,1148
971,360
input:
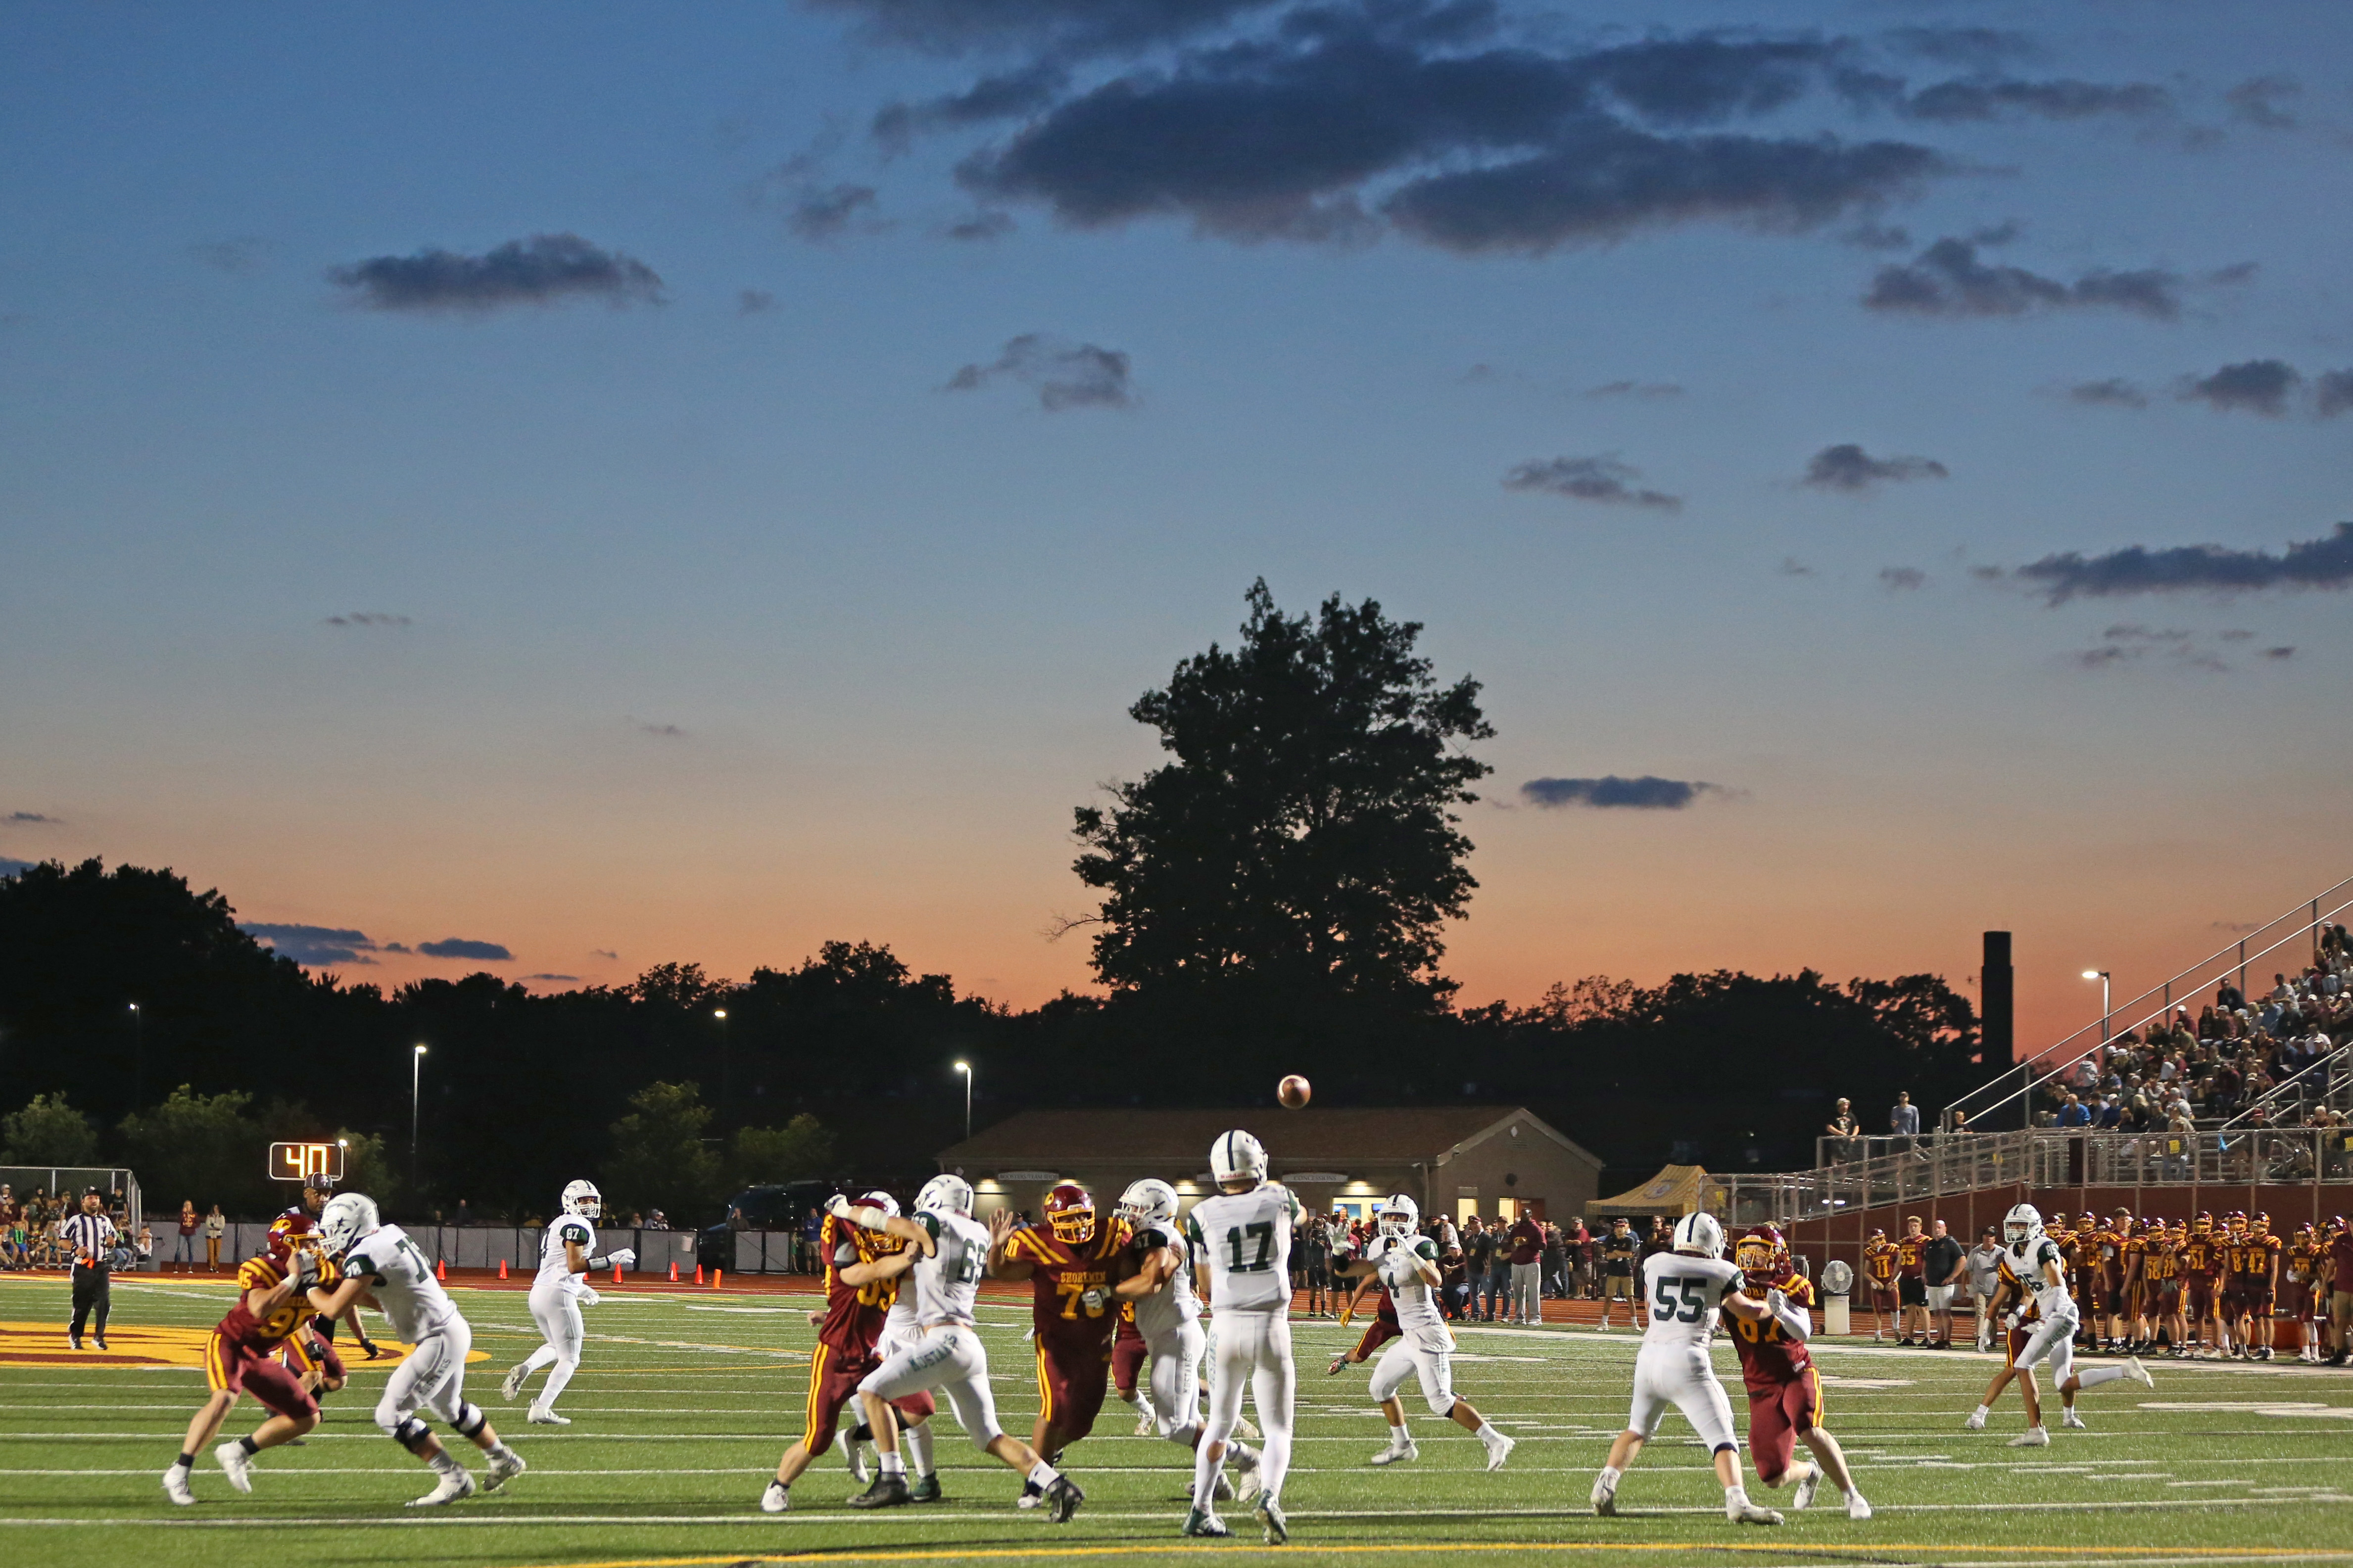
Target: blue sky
x,y
679,624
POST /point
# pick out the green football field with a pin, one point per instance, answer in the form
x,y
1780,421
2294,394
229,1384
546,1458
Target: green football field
x,y
687,1398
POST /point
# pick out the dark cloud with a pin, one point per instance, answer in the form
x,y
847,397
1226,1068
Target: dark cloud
x,y
2256,101
463,947
1948,279
2129,643
1792,567
603,952
666,731
2255,386
312,947
235,257
2279,652
1604,479
1991,97
1878,236
2113,393
1648,793
395,947
1073,28
2332,393
1065,374
366,618
30,819
754,301
1902,579
14,867
1336,128
1646,390
1010,95
546,270
827,211
1847,466
981,225
2325,562
1961,46
570,977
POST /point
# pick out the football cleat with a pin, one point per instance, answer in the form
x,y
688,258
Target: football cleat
x,y
1147,1425
1855,1507
776,1498
1803,1497
1062,1500
2137,1373
1032,1496
454,1485
1749,1513
888,1492
1397,1454
1221,1488
175,1487
510,1386
1243,1427
2067,1418
1201,1521
926,1488
2032,1438
1339,1364
1605,1497
1272,1524
1499,1450
238,1463
855,1452
1975,1423
541,1416
503,1468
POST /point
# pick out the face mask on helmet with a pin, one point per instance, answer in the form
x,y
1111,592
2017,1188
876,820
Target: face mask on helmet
x,y
1070,1212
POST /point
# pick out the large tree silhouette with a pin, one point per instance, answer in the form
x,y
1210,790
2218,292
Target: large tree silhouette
x,y
1302,839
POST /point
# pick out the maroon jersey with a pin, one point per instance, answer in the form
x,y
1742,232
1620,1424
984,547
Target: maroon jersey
x,y
1911,1254
854,1313
264,1272
1769,1359
1062,1274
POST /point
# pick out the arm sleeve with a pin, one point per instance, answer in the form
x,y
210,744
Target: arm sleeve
x,y
931,1224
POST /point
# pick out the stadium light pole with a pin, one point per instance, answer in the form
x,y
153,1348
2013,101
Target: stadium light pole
x,y
415,1097
2102,976
726,1071
138,1056
965,1068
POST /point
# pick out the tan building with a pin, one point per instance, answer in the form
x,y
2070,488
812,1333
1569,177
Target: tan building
x,y
1492,1160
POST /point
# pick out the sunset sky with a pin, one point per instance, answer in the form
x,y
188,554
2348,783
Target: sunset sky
x,y
607,484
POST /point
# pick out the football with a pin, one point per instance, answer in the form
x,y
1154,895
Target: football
x,y
1293,1091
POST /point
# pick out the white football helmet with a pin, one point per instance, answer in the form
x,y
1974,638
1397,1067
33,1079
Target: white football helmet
x,y
944,1194
1699,1232
1148,1204
2022,1227
878,1199
1237,1156
1398,1216
582,1198
347,1218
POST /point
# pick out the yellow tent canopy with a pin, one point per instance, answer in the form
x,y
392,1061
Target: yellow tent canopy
x,y
1676,1190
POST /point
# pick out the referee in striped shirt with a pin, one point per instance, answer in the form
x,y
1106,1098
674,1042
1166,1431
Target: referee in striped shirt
x,y
92,1236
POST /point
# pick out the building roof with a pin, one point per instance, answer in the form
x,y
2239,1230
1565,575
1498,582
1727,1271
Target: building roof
x,y
1295,1139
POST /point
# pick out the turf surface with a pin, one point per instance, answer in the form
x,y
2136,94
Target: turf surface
x,y
687,1398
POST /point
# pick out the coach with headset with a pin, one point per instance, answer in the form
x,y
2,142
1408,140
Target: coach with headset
x,y
92,1236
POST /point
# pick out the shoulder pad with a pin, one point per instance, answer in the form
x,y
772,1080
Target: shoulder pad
x,y
931,1224
1425,1247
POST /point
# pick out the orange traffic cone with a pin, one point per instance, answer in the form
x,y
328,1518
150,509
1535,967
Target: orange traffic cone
x,y
503,1268
440,1269
698,1274
617,1274
673,1270
718,1277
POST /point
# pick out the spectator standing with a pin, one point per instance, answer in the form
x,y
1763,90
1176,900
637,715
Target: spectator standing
x,y
92,1236
1315,1252
1526,1257
183,1250
216,1226
1947,1266
1984,1267
1477,1253
1843,1128
1499,1274
1903,1117
1556,1262
812,1229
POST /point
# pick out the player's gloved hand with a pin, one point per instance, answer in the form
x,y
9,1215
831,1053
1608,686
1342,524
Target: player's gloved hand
x,y
1093,1298
368,1347
306,1270
588,1298
837,1206
1775,1302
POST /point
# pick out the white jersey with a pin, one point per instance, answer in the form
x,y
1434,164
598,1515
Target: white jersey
x,y
554,1269
948,1281
1682,1292
1161,1315
1244,1238
1393,1263
2051,1300
402,1283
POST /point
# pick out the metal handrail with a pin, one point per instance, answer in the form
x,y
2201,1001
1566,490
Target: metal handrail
x,y
2106,1032
2339,1057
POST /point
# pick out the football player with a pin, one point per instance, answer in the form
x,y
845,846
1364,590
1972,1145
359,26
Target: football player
x,y
2197,1261
272,1306
566,1253
1129,1354
2034,1265
384,1269
1879,1264
862,1273
1684,1290
2259,1287
1912,1281
1785,1394
1406,1263
301,1219
950,1357
1618,1253
1072,1264
2299,1275
1240,1238
1158,1292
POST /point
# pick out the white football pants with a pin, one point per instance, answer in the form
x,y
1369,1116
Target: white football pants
x,y
1176,1383
555,1308
1681,1376
2055,1342
1252,1347
1425,1353
950,1361
433,1377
